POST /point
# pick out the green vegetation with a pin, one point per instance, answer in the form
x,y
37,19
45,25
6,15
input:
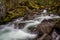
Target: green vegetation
x,y
17,8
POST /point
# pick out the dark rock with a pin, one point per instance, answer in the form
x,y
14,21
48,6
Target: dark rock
x,y
45,28
19,25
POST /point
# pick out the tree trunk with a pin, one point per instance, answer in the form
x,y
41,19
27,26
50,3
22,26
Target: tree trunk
x,y
11,4
2,9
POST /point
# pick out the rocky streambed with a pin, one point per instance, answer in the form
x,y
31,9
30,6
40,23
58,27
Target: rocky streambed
x,y
46,30
32,27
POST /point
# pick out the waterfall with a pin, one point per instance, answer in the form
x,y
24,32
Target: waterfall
x,y
9,33
34,24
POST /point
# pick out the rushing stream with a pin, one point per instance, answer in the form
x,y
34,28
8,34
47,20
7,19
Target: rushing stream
x,y
7,31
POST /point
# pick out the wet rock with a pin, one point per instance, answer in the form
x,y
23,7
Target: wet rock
x,y
58,24
33,30
19,25
29,17
45,28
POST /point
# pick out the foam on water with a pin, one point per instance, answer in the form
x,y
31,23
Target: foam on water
x,y
9,33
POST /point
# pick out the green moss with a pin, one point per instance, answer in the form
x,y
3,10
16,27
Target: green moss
x,y
33,4
26,5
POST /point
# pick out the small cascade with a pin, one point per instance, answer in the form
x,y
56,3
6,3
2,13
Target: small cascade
x,y
9,33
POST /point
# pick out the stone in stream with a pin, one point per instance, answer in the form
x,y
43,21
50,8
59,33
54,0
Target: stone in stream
x,y
19,25
45,27
56,32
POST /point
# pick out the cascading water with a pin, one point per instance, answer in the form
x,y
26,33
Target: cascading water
x,y
55,36
7,32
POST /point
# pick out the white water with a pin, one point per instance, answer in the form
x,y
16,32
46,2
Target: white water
x,y
55,36
9,33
